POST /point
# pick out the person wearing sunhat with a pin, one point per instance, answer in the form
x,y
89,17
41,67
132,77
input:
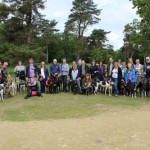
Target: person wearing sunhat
x,y
147,70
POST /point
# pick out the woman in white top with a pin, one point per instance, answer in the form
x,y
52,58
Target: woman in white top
x,y
43,75
116,77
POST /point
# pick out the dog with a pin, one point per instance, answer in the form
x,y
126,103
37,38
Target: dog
x,y
106,85
8,89
140,89
22,86
147,89
131,89
2,92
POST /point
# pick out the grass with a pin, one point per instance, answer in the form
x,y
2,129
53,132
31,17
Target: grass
x,y
61,106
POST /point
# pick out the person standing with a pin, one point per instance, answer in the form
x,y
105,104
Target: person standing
x,y
124,68
130,74
5,71
43,75
20,70
1,74
138,71
101,71
147,70
110,67
116,77
31,69
120,63
54,68
84,69
64,73
131,62
93,69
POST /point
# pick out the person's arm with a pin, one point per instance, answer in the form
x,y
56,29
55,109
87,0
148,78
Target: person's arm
x,y
15,69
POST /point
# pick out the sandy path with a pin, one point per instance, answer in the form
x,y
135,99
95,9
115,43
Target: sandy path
x,y
116,130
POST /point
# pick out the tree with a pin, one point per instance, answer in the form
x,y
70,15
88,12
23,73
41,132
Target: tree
x,y
131,38
143,9
83,14
98,38
27,11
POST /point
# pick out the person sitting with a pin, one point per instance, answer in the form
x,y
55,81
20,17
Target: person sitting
x,y
74,75
8,84
86,84
33,86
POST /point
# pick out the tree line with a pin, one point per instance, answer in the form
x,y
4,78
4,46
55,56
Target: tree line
x,y
24,33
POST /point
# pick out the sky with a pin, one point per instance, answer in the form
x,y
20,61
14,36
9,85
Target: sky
x,y
114,16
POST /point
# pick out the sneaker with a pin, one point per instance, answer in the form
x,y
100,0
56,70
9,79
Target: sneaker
x,y
116,95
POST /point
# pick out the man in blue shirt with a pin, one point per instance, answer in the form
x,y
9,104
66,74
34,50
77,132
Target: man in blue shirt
x,y
64,69
54,68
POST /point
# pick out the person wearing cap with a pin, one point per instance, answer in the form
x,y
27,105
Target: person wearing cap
x,y
54,68
5,71
31,69
43,75
147,70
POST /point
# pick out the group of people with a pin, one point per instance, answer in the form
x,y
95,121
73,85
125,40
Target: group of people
x,y
80,72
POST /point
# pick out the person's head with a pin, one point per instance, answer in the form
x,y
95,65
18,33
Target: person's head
x,y
64,60
123,64
137,61
87,76
20,63
79,62
55,61
83,62
74,65
110,60
131,61
9,77
93,62
116,64
42,64
31,61
129,66
119,61
5,65
100,63
33,76
148,59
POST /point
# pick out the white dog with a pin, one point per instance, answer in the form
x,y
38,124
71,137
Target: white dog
x,y
2,92
106,85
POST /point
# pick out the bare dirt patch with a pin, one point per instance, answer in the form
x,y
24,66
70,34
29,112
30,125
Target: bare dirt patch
x,y
117,129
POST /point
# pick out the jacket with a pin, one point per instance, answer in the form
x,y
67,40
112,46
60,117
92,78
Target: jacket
x,y
130,75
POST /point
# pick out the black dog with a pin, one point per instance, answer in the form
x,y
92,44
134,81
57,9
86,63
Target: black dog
x,y
30,95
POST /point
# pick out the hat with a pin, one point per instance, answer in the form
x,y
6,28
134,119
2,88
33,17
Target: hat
x,y
147,58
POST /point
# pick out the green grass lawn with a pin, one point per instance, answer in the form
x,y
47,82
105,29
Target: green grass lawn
x,y
61,106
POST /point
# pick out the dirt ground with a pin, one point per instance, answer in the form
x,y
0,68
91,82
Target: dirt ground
x,y
116,129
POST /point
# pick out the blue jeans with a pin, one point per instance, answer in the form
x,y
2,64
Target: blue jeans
x,y
115,86
43,86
